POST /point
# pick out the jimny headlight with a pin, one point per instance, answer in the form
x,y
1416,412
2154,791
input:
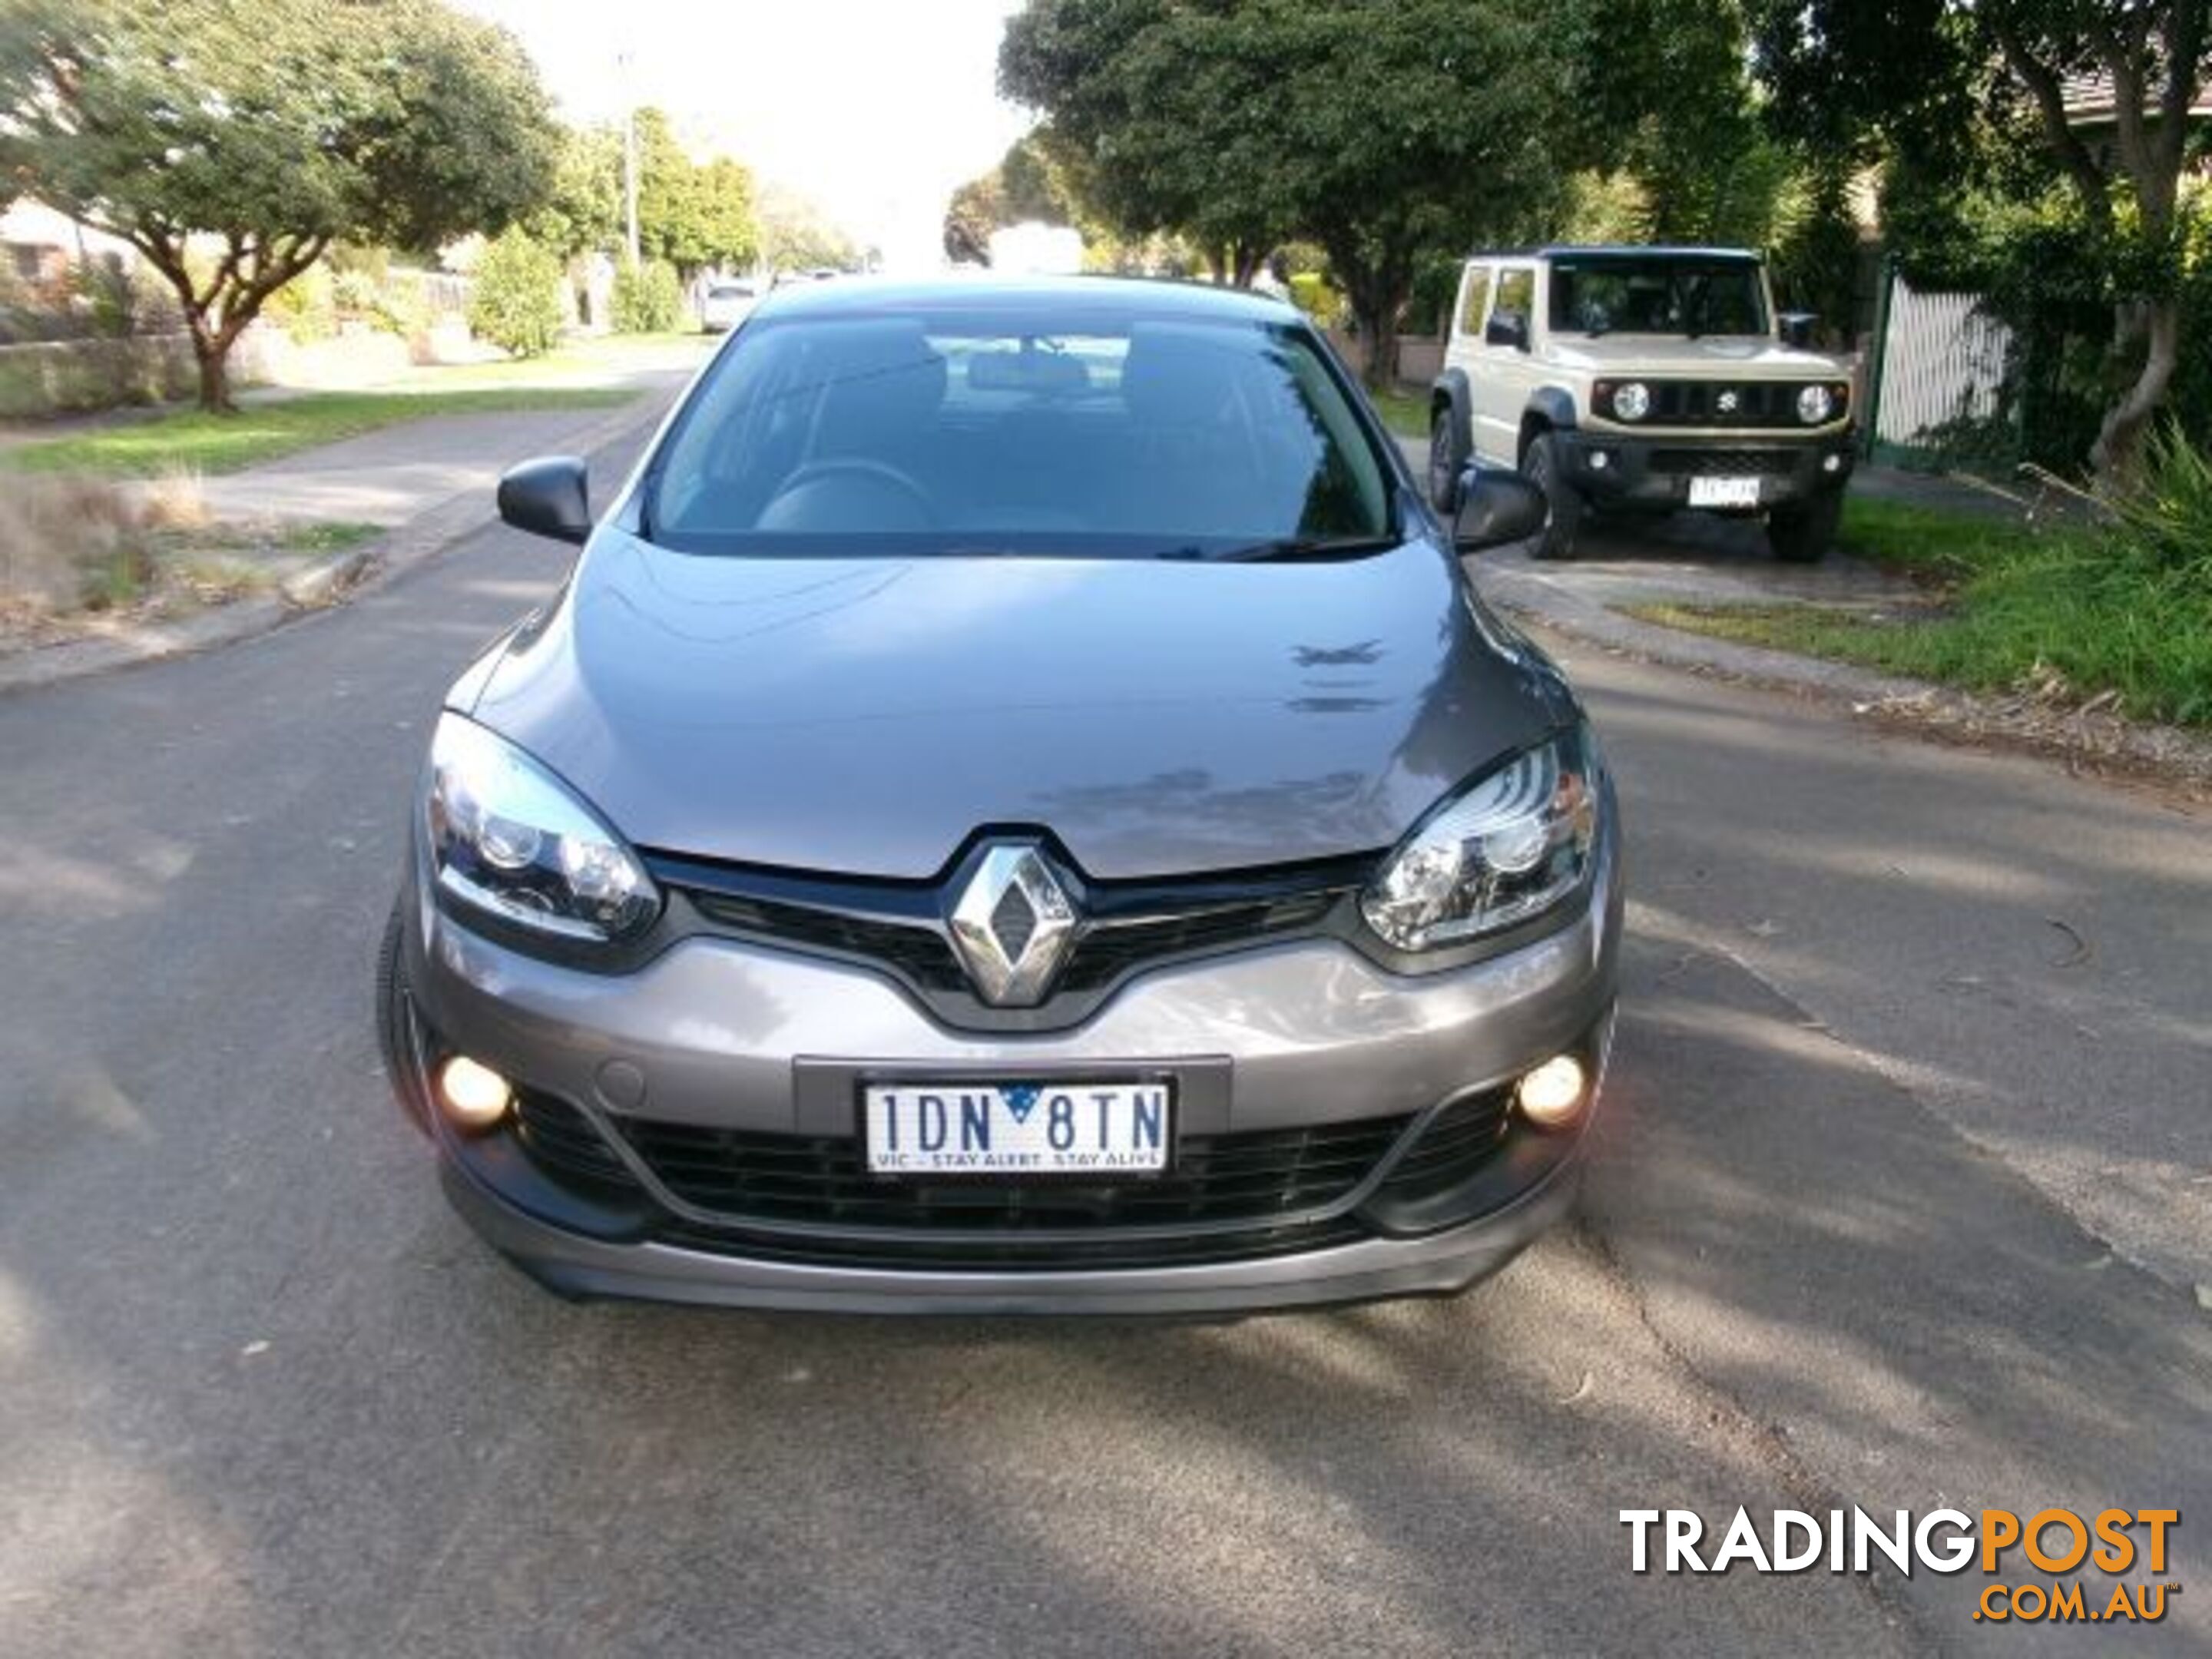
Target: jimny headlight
x,y
510,839
1814,405
1509,846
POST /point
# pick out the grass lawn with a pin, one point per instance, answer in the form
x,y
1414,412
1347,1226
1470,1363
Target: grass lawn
x,y
190,441
578,361
1406,413
2074,611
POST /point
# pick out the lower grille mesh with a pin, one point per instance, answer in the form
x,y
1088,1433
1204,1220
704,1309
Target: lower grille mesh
x,y
1726,462
1227,1197
1258,1175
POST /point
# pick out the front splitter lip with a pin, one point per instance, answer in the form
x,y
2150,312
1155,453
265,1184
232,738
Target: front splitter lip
x,y
1435,1264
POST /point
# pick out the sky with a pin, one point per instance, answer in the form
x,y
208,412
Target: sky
x,y
874,109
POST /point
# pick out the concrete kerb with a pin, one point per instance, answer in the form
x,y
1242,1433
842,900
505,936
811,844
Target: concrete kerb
x,y
316,586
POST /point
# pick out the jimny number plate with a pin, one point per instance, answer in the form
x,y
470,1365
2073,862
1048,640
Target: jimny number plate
x,y
1018,1128
1724,492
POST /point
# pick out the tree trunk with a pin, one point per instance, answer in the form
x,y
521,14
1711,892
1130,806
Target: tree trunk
x,y
1378,291
1381,372
213,352
2119,441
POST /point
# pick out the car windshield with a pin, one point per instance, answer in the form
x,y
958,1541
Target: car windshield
x,y
978,431
1612,294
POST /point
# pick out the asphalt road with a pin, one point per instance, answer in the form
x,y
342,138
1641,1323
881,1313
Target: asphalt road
x,y
1901,1202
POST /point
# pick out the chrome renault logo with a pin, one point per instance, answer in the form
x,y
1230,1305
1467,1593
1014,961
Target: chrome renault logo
x,y
1012,924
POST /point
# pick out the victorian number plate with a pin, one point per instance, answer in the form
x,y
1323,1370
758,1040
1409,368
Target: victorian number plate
x,y
1723,492
1018,1128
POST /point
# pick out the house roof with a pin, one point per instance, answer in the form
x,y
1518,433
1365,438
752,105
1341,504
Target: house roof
x,y
2089,101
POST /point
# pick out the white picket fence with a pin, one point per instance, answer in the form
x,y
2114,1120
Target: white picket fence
x,y
1943,363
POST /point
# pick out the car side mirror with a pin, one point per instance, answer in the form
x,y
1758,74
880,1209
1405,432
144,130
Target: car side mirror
x,y
1796,328
1496,509
548,496
1507,328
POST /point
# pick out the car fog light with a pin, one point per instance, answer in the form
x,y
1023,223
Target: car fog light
x,y
1832,464
475,1096
1599,461
1550,1095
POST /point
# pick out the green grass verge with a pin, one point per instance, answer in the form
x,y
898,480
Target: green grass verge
x,y
323,536
1406,413
578,361
192,442
1947,547
2076,613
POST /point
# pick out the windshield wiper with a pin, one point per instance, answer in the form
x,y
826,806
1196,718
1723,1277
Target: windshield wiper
x,y
1295,549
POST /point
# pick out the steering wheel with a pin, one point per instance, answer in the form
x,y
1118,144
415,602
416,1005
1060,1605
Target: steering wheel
x,y
798,491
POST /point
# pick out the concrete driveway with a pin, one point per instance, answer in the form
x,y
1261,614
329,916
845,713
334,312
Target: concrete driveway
x,y
1902,1202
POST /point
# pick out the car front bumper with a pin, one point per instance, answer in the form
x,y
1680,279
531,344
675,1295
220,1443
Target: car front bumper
x,y
1652,471
724,1038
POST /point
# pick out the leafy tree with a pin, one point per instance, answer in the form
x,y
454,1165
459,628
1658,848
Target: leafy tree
x,y
691,216
516,304
268,131
583,210
649,299
1383,133
1162,117
977,208
723,233
1036,191
1905,76
794,236
1026,186
1432,123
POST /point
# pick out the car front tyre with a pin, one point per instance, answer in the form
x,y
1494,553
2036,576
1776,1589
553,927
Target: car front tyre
x,y
1444,462
1803,534
1563,520
395,1041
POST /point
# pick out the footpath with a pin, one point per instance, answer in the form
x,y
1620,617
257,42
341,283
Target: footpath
x,y
428,482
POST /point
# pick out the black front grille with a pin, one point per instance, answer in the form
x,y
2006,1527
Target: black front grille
x,y
1725,463
897,927
1255,1176
1105,953
1724,403
1231,1197
1250,1176
1455,1144
915,952
562,1141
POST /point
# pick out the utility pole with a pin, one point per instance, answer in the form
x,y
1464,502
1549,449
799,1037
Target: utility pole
x,y
629,159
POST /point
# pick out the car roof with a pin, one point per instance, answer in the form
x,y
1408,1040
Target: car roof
x,y
1122,298
1621,250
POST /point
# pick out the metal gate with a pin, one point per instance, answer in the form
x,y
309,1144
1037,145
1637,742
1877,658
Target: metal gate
x,y
1939,388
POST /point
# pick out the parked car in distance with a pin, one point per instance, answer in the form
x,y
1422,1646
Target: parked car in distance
x,y
1643,379
724,303
1016,808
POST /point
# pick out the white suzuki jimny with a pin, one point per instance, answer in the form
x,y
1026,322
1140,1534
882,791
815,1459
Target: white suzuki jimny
x,y
1643,380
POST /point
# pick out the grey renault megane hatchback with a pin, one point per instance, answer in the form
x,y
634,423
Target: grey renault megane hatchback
x,y
1016,808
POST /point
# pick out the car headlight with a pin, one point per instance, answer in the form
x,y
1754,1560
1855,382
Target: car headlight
x,y
510,839
1507,848
1633,401
1814,405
